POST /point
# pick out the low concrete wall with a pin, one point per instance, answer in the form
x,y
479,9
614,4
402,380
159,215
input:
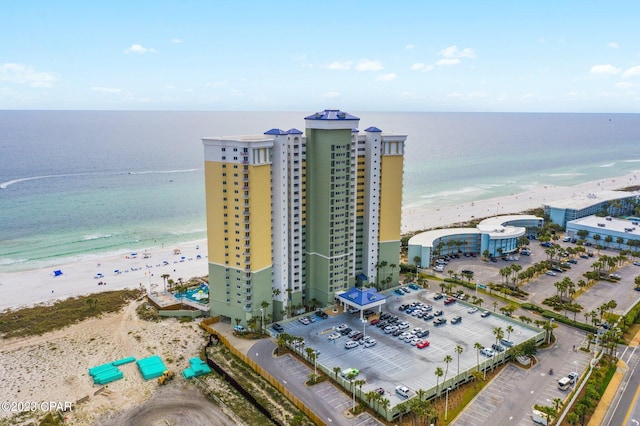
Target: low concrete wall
x,y
180,313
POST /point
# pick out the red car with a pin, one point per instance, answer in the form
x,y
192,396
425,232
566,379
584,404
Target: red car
x,y
450,300
422,344
374,321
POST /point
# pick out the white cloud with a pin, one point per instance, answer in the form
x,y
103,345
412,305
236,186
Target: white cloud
x,y
341,66
448,61
216,84
625,85
606,69
613,45
409,47
330,95
138,48
367,65
23,74
421,67
176,40
632,72
386,77
106,89
479,94
454,52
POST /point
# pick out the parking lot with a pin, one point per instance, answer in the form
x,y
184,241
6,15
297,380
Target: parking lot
x,y
392,362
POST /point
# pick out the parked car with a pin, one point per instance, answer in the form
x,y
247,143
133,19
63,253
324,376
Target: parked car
x,y
374,321
322,314
573,376
350,344
439,321
398,292
422,344
497,348
341,327
403,391
450,300
485,314
551,273
304,320
456,319
574,261
380,391
277,327
488,352
414,286
353,372
370,343
438,313
346,331
506,342
334,336
403,325
397,333
472,310
438,296
423,333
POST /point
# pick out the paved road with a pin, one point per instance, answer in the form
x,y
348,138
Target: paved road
x,y
324,399
625,408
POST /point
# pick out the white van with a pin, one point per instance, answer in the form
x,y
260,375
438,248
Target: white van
x,y
403,391
564,383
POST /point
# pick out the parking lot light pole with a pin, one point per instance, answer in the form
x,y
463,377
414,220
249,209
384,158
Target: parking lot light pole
x,y
315,363
364,329
550,330
446,404
354,395
261,321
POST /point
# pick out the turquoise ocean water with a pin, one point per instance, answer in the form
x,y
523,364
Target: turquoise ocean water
x,y
79,184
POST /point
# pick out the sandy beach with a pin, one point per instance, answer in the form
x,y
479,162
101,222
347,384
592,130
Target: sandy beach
x,y
417,219
41,285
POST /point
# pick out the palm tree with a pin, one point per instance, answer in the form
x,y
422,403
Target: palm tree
x,y
557,403
458,350
447,360
478,347
336,370
439,373
164,278
509,330
359,383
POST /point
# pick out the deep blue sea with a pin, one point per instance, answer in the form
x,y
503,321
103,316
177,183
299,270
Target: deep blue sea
x,y
76,184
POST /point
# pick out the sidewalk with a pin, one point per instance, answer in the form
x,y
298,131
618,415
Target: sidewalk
x,y
612,388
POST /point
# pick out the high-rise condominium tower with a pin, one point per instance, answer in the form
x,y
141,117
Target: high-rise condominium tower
x,y
293,218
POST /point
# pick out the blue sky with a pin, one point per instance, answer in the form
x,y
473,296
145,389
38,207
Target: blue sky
x,y
546,56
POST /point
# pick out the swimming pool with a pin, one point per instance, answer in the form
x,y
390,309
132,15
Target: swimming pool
x,y
199,294
633,218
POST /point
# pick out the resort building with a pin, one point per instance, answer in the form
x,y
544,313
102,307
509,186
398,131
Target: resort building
x,y
495,236
293,218
609,232
613,203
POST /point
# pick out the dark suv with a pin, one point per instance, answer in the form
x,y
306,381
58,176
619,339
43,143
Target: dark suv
x,y
322,314
277,327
